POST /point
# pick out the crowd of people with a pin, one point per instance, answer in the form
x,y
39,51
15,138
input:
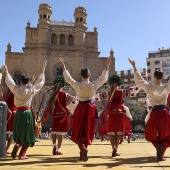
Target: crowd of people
x,y
111,123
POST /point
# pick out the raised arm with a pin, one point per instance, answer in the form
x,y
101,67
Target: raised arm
x,y
138,78
67,75
44,66
9,80
132,62
108,62
38,84
103,78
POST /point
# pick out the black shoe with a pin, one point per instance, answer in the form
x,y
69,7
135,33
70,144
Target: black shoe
x,y
14,151
85,158
54,151
114,152
160,152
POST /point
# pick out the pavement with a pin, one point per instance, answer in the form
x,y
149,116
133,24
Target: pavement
x,y
136,155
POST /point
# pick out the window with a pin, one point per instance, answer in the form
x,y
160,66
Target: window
x,y
166,63
59,71
17,76
149,78
148,63
62,39
157,63
149,71
44,16
70,40
81,19
53,39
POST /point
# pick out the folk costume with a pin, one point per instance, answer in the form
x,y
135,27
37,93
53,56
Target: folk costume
x,y
113,116
158,127
8,97
83,121
60,116
127,126
23,127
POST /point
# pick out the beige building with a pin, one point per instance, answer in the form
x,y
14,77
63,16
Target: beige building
x,y
51,40
159,59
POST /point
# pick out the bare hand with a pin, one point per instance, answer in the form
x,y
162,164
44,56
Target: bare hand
x,y
132,63
6,69
108,62
33,79
44,65
62,62
146,76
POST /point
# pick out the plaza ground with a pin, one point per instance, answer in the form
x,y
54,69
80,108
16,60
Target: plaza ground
x,y
137,155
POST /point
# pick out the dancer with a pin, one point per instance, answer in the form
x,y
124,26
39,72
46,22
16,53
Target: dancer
x,y
60,116
113,116
128,127
84,115
23,128
158,127
8,97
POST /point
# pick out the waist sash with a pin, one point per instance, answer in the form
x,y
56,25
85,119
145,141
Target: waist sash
x,y
86,101
23,108
159,107
115,111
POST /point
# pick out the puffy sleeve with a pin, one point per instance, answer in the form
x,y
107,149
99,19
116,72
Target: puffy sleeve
x,y
127,112
72,103
102,79
10,82
69,79
140,82
39,83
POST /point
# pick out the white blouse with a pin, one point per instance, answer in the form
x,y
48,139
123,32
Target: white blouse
x,y
23,94
157,93
86,90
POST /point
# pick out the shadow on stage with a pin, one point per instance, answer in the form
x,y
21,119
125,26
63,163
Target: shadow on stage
x,y
50,160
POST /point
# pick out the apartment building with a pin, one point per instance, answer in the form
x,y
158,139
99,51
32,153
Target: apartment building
x,y
159,59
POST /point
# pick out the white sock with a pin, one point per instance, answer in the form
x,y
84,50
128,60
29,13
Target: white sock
x,y
54,144
59,149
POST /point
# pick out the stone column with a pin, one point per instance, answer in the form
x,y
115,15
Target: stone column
x,y
3,122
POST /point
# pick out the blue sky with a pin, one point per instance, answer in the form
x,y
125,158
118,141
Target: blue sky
x,y
131,27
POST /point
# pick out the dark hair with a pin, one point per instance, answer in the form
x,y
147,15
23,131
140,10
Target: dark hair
x,y
24,79
158,74
85,73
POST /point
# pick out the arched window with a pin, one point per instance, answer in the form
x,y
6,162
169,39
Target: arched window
x,y
17,76
59,71
62,39
70,40
53,39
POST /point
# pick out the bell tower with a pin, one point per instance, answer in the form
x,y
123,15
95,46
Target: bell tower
x,y
80,16
44,22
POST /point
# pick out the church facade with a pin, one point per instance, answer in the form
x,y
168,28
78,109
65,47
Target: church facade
x,y
50,41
